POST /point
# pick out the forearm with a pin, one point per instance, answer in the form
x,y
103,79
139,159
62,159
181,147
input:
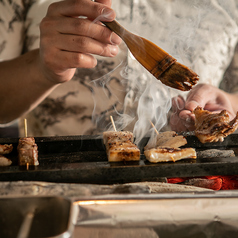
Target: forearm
x,y
23,86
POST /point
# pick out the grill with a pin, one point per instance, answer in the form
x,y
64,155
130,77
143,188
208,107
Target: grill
x,y
82,159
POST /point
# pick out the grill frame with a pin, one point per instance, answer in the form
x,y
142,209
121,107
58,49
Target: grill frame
x,y
82,159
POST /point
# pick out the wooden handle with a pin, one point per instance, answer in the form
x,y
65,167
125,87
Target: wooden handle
x,y
116,27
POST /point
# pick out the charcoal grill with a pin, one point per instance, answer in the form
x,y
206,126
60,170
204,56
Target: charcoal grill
x,y
82,159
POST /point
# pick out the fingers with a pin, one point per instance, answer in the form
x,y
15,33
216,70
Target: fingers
x,y
106,2
184,121
178,104
59,67
181,119
71,35
90,9
200,95
79,44
93,38
82,27
75,60
80,35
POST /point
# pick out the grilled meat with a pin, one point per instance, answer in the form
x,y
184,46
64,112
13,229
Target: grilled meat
x,y
160,154
167,148
6,149
4,161
120,146
170,139
213,127
27,151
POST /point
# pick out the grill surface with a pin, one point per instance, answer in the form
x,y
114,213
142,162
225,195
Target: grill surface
x,y
83,159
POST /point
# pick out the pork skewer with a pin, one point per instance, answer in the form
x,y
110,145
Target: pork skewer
x,y
25,129
167,148
27,151
119,145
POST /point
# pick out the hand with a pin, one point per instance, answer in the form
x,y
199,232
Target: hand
x,y
206,96
68,41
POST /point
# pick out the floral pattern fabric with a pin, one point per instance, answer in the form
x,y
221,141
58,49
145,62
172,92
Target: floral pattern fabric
x,y
200,34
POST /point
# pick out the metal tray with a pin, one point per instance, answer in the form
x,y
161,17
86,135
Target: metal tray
x,y
37,217
160,216
82,159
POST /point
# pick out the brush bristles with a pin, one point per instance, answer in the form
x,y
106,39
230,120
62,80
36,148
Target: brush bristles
x,y
164,67
179,76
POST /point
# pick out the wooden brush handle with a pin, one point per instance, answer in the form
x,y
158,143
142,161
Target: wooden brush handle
x,y
116,27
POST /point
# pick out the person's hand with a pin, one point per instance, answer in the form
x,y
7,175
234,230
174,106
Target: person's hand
x,y
71,33
206,96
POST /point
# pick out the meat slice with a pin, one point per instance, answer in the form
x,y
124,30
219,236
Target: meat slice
x,y
114,136
167,148
27,151
4,161
158,154
6,149
120,147
170,139
213,127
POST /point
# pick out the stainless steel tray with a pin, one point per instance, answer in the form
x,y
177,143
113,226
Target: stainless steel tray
x,y
24,217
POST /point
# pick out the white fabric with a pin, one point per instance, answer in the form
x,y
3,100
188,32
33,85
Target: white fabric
x,y
201,34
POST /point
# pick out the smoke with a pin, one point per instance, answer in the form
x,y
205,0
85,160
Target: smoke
x,y
200,34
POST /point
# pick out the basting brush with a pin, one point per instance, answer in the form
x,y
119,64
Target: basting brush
x,y
158,62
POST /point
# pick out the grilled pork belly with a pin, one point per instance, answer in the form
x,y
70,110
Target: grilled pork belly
x,y
27,151
120,147
6,149
4,161
167,148
170,139
159,154
213,127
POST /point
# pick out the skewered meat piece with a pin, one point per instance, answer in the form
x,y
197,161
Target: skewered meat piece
x,y
213,127
120,146
6,149
167,148
27,151
159,154
170,139
4,161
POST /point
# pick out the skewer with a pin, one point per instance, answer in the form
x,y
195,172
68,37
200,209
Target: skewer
x,y
172,158
154,128
25,127
113,124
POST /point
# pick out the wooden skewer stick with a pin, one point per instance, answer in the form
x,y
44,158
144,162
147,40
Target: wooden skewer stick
x,y
113,124
154,127
25,127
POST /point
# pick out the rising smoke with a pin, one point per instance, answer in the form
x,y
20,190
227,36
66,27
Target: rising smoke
x,y
200,34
